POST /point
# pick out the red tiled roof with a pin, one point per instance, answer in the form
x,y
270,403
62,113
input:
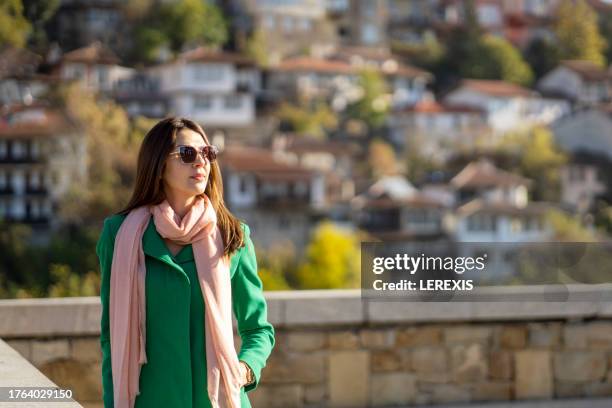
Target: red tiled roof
x,y
316,65
204,54
95,53
483,173
587,70
495,87
16,62
49,122
262,163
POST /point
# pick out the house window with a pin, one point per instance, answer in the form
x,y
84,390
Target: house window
x,y
18,149
369,34
481,222
208,73
233,102
202,102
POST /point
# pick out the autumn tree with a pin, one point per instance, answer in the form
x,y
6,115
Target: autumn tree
x,y
539,159
112,149
381,159
578,33
332,260
14,27
314,119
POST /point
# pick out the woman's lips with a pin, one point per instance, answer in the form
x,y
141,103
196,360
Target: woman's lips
x,y
198,177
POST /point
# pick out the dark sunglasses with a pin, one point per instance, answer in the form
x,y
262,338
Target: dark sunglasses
x,y
188,154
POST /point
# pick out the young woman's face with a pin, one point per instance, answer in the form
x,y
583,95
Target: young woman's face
x,y
182,179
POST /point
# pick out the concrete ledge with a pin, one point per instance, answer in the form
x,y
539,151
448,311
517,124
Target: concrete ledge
x,y
16,371
81,316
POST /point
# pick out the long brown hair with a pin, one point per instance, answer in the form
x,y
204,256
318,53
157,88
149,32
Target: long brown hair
x,y
155,148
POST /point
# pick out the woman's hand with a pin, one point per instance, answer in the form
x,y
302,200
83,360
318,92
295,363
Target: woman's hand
x,y
244,374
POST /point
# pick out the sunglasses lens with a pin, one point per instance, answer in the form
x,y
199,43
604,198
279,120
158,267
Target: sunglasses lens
x,y
188,154
211,153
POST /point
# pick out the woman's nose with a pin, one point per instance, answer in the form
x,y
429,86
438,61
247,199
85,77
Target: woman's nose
x,y
200,160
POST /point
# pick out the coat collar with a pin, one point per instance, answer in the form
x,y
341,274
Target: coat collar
x,y
154,246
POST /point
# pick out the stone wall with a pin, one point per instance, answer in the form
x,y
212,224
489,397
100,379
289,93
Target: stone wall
x,y
334,349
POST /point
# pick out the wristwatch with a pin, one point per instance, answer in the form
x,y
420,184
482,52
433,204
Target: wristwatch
x,y
250,374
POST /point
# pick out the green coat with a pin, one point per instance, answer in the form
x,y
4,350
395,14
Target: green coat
x,y
175,373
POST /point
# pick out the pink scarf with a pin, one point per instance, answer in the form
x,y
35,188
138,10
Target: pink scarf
x,y
127,299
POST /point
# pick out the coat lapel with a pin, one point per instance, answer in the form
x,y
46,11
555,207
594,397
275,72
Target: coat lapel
x,y
154,246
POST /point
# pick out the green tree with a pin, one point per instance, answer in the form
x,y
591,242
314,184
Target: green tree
x,y
66,283
38,12
14,27
428,54
314,121
578,33
567,228
332,260
257,48
501,60
174,25
373,106
277,265
539,159
192,22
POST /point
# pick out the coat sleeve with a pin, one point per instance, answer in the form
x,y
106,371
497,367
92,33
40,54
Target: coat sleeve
x,y
104,250
250,309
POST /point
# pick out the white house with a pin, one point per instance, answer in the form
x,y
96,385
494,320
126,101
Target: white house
x,y
214,88
483,221
95,67
508,106
277,198
334,159
336,78
437,130
41,155
581,184
581,82
393,209
493,206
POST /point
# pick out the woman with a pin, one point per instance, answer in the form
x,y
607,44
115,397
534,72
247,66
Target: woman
x,y
175,263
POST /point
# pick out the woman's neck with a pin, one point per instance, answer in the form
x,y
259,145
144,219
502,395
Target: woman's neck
x,y
180,205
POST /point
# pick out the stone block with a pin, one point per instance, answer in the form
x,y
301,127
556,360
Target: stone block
x,y
580,365
304,341
349,378
419,336
392,389
44,351
533,374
